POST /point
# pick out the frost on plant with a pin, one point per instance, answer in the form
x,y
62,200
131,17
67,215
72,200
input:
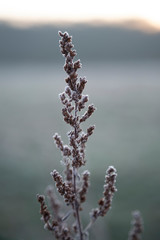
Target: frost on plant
x,y
73,184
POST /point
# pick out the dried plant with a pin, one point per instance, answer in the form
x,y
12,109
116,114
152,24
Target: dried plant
x,y
137,226
73,184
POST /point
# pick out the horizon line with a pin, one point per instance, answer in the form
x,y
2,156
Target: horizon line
x,y
130,23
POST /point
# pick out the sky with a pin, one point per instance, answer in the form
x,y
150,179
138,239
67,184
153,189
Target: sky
x,y
46,11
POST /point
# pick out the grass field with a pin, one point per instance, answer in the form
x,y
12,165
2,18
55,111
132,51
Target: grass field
x,y
127,97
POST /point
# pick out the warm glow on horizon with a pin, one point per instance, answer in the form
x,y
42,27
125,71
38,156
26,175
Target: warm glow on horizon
x,y
38,11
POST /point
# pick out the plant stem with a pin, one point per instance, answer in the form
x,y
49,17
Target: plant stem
x,y
89,225
76,205
77,208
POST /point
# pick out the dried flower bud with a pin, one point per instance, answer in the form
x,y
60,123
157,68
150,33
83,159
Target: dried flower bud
x,y
81,104
85,185
68,67
77,65
90,130
87,114
66,44
67,117
59,181
58,141
70,108
68,91
109,190
66,151
94,214
81,85
62,97
44,212
64,189
68,173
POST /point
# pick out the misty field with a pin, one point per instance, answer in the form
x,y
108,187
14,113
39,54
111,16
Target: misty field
x,y
127,135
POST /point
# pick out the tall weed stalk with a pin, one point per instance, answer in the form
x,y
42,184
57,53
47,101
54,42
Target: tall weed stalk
x,y
73,184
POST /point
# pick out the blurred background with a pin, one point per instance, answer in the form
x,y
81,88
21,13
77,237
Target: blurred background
x,y
118,43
